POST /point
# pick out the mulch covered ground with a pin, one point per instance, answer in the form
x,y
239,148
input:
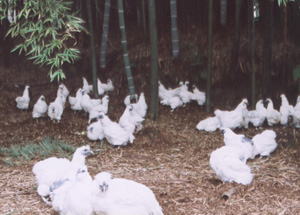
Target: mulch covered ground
x,y
169,155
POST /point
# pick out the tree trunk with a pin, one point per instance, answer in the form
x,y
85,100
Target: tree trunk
x,y
210,46
105,31
154,59
92,47
174,29
131,87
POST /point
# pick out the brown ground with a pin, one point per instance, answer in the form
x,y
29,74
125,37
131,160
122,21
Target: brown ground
x,y
169,155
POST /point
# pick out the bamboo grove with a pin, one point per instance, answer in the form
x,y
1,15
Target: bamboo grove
x,y
47,32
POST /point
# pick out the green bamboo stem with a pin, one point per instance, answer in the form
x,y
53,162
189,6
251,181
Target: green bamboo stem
x,y
154,59
105,31
131,87
174,28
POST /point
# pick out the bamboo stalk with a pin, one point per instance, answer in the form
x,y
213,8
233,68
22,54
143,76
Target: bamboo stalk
x,y
105,31
236,45
174,28
92,48
252,42
210,46
131,87
223,12
144,19
154,59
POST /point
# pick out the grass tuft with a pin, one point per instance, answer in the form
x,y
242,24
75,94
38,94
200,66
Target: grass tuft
x,y
48,146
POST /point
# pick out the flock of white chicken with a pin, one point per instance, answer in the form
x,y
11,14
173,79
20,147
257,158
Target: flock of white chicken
x,y
68,187
229,162
179,96
240,117
116,133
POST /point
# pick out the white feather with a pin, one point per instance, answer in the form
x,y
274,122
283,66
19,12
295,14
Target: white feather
x,y
23,101
198,96
209,124
239,141
75,102
87,103
185,95
296,114
257,117
86,87
114,133
53,169
125,197
233,119
130,120
284,110
40,108
74,197
229,166
100,108
264,143
95,131
56,108
273,116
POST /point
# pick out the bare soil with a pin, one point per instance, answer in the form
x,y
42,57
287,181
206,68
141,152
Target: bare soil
x,y
169,155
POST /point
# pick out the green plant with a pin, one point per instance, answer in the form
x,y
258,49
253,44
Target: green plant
x,y
46,147
46,29
283,2
3,9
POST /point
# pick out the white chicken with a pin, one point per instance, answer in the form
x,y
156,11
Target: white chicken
x,y
285,110
114,133
57,170
119,196
140,106
273,116
244,144
95,131
257,117
130,120
75,102
87,103
229,167
166,94
264,143
198,96
56,109
23,101
62,92
104,87
39,108
103,107
185,95
74,197
174,102
209,124
86,86
233,119
296,114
